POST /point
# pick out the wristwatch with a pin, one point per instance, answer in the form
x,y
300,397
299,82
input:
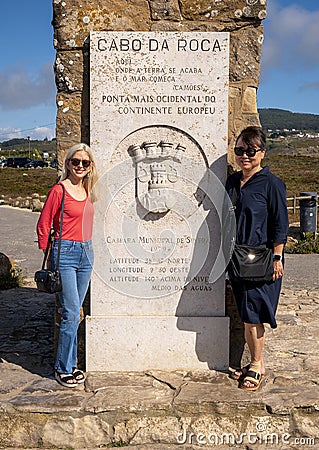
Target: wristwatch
x,y
276,257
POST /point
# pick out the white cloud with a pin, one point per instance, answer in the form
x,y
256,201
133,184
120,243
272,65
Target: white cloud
x,y
291,37
10,133
310,86
42,133
36,133
20,90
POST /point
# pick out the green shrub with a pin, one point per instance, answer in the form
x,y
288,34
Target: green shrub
x,y
307,244
12,280
117,444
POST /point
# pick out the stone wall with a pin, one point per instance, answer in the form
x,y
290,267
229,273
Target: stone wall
x,y
74,20
34,202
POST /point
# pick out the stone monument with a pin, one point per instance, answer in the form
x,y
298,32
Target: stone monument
x,y
159,105
159,108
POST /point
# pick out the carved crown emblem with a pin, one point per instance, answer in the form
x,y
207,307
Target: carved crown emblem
x,y
156,163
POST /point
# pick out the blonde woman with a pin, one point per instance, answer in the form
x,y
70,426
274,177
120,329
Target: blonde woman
x,y
78,179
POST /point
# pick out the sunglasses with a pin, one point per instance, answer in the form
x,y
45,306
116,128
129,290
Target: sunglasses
x,y
250,151
76,162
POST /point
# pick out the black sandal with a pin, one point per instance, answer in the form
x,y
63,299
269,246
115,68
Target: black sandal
x,y
64,379
237,374
254,378
78,375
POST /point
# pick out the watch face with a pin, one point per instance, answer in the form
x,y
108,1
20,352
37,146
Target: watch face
x,y
277,257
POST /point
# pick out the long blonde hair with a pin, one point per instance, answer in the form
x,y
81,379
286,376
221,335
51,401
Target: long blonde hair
x,y
90,179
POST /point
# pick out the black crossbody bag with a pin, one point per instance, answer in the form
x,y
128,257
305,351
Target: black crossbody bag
x,y
48,280
250,263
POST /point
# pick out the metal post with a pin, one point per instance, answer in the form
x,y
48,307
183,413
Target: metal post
x,y
28,137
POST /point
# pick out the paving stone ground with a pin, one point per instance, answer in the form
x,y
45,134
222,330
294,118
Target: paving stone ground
x,y
157,410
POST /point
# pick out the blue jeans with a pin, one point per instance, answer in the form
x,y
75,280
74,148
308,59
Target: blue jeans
x,y
76,260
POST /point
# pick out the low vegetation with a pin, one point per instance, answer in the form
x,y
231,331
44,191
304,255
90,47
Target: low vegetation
x,y
25,182
12,280
299,173
308,243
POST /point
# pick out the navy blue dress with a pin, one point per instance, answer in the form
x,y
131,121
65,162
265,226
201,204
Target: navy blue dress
x,y
262,219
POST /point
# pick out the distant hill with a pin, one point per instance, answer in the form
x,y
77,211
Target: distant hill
x,y
270,119
21,146
279,119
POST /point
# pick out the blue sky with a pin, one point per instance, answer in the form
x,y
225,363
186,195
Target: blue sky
x,y
289,71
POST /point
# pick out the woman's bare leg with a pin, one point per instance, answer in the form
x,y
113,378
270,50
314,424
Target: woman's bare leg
x,y
255,338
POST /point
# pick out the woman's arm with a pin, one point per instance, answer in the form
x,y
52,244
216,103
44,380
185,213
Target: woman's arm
x,y
278,214
50,208
278,223
277,255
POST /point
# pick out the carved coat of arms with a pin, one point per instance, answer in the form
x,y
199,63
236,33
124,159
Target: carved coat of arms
x,y
156,166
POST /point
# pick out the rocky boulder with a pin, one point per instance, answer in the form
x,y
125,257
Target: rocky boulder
x,y
8,276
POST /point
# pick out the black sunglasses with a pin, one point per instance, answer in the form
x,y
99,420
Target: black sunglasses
x,y
76,162
250,151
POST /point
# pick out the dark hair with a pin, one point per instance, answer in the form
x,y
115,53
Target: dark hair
x,y
253,135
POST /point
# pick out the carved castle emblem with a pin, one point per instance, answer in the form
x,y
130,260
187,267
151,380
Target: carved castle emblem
x,y
156,168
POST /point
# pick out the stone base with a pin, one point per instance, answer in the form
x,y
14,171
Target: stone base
x,y
159,410
124,343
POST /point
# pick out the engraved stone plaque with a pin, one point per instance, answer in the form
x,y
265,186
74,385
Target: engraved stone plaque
x,y
164,227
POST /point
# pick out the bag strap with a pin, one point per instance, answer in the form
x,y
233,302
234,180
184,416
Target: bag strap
x,y
60,234
234,195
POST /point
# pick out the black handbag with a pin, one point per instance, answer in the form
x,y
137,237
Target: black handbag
x,y
48,280
252,264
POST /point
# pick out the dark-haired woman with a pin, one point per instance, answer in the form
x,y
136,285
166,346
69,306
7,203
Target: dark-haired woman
x,y
262,219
